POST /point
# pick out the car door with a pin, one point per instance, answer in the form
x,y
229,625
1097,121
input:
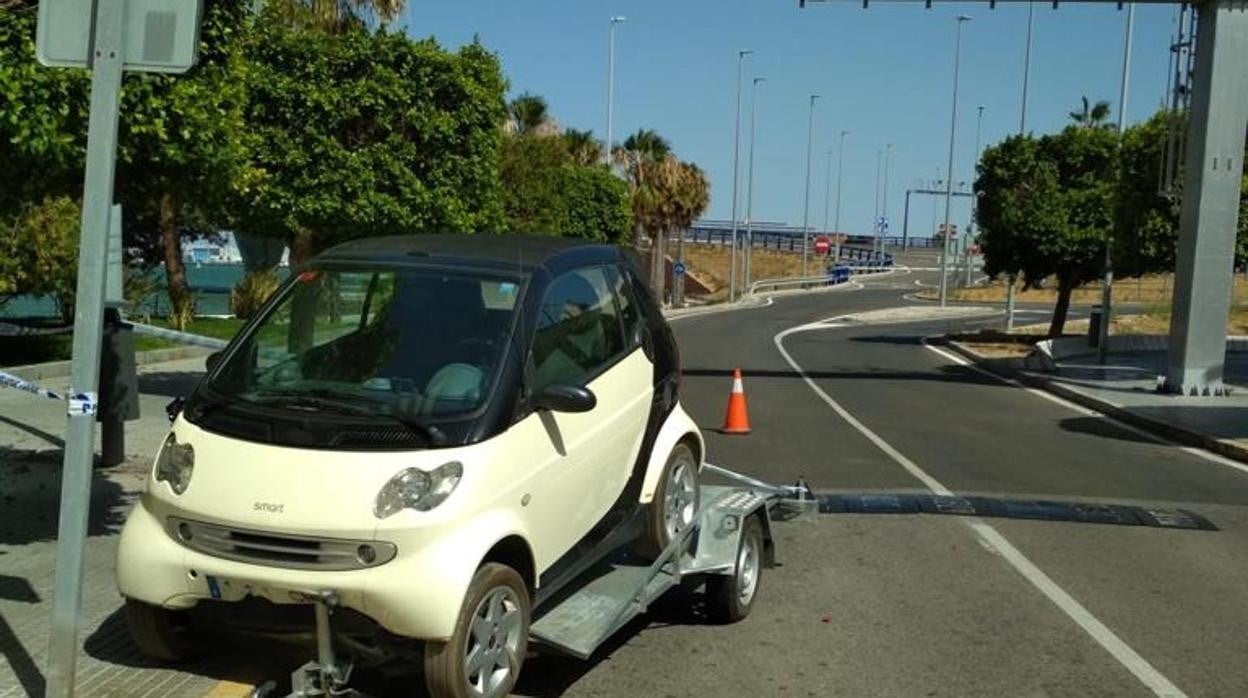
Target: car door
x,y
585,457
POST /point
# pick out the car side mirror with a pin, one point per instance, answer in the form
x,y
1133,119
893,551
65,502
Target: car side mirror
x,y
213,359
561,397
174,407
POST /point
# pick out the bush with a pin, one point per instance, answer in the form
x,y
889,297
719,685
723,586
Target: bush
x,y
251,292
39,252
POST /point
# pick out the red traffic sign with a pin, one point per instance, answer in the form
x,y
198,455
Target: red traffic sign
x,y
822,244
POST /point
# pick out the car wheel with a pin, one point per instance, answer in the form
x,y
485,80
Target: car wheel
x,y
730,598
482,658
160,633
675,504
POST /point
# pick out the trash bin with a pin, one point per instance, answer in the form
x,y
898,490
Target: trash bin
x,y
118,387
1094,326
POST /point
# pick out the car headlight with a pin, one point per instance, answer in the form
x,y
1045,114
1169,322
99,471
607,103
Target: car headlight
x,y
175,464
417,489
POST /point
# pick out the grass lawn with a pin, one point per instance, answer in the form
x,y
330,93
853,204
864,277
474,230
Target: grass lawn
x,y
18,351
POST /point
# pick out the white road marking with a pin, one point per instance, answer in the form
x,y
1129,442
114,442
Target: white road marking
x,y
1088,412
989,536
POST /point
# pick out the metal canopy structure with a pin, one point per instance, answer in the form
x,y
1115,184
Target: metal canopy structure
x,y
1213,169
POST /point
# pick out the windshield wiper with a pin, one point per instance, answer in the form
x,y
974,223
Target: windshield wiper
x,y
321,398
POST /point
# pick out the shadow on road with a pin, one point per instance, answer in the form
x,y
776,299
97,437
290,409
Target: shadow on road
x,y
954,374
36,432
30,490
1104,428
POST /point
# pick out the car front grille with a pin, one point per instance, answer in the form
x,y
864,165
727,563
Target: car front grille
x,y
279,549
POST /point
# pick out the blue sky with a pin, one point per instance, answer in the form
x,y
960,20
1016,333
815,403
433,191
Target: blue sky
x,y
884,73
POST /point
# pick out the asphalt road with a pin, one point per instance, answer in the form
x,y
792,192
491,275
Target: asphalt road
x,y
902,605
921,605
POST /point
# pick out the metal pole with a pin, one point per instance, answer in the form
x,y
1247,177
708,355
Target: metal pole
x,y
736,154
953,123
810,143
879,170
610,83
1107,285
905,225
888,163
827,191
749,187
106,68
840,161
1022,116
974,226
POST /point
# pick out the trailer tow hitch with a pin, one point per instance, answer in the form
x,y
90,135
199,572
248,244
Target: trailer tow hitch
x,y
328,674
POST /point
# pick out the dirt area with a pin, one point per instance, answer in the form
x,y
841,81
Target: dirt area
x,y
710,265
1154,289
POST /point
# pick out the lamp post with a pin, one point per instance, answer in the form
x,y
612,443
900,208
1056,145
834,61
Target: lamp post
x,y
1107,286
840,160
810,143
979,122
618,19
888,163
749,187
736,154
953,123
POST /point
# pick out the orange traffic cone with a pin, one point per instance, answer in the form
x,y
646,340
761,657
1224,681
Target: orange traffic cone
x,y
737,420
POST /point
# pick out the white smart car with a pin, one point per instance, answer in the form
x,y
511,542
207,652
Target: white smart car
x,y
442,430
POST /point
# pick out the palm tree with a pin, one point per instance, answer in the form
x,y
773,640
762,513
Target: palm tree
x,y
1092,116
584,148
332,16
528,113
637,156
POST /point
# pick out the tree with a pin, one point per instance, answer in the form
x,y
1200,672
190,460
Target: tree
x,y
39,253
336,16
1093,116
368,133
529,114
583,146
637,156
178,140
672,194
545,192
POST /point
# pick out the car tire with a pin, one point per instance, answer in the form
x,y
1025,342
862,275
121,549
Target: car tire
x,y
729,598
675,504
482,659
160,633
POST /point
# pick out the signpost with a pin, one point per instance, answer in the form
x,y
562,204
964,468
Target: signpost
x,y
107,37
822,245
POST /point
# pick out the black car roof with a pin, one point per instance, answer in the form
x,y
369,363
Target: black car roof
x,y
517,253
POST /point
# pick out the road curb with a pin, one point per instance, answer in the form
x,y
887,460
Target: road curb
x,y
59,369
1166,430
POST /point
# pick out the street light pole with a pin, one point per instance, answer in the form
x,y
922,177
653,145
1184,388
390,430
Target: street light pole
x,y
749,187
879,169
810,144
836,225
953,123
1107,286
1022,116
888,163
979,122
827,191
736,156
619,19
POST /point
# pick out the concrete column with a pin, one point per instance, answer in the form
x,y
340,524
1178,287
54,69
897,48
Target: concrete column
x,y
1210,208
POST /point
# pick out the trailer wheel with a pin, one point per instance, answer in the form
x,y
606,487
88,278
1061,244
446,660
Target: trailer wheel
x,y
675,504
729,598
160,633
482,659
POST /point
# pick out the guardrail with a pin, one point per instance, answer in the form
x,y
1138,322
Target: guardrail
x,y
831,279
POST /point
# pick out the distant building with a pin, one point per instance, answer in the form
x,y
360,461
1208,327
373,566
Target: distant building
x,y
205,251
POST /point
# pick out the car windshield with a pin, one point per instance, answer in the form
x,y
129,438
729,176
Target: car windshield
x,y
409,344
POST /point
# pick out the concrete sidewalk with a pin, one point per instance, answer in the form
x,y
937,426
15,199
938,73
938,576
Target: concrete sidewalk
x,y
1125,388
31,439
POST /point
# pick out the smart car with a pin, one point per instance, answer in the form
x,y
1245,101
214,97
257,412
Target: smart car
x,y
444,431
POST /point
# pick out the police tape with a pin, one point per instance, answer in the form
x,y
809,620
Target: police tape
x,y
194,340
9,380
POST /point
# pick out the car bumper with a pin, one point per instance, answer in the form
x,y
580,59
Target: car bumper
x,y
402,595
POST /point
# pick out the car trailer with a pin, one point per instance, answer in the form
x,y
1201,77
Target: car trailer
x,y
728,546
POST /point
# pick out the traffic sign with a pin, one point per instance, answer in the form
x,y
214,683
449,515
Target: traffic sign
x,y
678,268
157,36
822,244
